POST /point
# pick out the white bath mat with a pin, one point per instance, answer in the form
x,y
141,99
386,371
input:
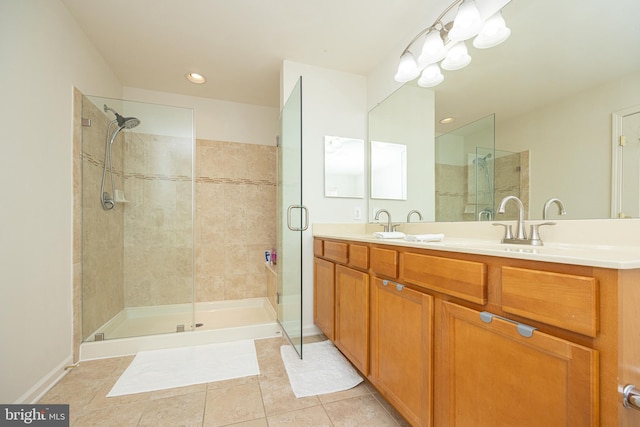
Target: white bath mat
x,y
322,370
177,367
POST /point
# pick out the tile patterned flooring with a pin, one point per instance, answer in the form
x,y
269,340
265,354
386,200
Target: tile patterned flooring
x,y
257,401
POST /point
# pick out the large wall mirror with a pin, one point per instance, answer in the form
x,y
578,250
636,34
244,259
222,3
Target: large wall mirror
x,y
553,87
402,125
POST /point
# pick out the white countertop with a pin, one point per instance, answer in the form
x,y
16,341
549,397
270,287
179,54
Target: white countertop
x,y
605,256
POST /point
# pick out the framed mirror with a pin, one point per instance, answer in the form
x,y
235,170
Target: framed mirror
x,y
343,167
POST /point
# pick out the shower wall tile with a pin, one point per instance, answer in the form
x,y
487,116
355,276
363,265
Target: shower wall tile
x,y
158,260
450,192
235,218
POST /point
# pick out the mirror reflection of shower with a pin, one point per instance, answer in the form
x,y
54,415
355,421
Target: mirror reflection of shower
x,y
107,199
484,187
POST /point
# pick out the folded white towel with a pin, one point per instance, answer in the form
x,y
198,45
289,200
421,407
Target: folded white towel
x,y
424,237
389,234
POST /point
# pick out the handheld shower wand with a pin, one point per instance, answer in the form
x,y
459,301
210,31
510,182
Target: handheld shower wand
x,y
106,200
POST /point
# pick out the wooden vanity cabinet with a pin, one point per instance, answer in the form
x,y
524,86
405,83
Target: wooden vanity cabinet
x,y
352,316
324,296
401,348
442,335
490,374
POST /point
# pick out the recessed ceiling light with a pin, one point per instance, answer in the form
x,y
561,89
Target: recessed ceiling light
x,y
447,120
195,78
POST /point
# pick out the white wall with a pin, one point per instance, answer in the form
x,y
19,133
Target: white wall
x,y
333,103
571,138
218,120
44,54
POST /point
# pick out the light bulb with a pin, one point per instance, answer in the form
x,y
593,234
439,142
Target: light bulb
x,y
431,76
433,49
493,33
467,22
407,69
457,58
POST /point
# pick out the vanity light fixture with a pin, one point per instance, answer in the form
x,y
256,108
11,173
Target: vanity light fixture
x,y
195,78
444,42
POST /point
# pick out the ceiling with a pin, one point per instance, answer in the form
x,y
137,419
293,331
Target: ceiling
x,y
555,49
239,45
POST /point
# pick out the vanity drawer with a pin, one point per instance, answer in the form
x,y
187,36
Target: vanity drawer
x,y
318,247
336,251
385,262
563,300
463,279
359,256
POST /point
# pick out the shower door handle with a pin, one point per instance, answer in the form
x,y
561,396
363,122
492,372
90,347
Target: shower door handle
x,y
305,224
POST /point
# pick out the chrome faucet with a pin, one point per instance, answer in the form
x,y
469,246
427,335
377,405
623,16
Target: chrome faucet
x,y
389,226
548,204
485,213
520,234
415,211
521,237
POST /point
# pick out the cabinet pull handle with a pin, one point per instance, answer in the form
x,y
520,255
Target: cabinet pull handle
x,y
524,330
631,397
399,287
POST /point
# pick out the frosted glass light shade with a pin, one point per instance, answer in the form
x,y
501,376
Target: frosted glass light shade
x,y
467,22
493,33
457,58
433,49
431,76
407,69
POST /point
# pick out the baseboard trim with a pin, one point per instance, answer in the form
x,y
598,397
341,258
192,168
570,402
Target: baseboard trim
x,y
35,393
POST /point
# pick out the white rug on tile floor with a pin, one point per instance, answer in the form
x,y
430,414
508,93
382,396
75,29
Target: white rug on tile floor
x,y
323,369
178,367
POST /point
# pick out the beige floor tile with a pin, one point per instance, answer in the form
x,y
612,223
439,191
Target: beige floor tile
x,y
184,410
359,390
308,417
178,391
233,382
102,401
278,397
390,409
260,422
257,401
121,416
233,404
359,411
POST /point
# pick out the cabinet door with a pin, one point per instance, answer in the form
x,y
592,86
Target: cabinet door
x,y
324,296
352,316
490,375
401,348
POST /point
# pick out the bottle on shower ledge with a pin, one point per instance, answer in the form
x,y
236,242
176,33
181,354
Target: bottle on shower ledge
x,y
274,256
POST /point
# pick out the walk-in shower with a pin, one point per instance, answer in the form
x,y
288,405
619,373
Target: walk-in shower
x,y
106,199
139,258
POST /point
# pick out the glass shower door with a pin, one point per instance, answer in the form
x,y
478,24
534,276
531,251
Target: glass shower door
x,y
292,218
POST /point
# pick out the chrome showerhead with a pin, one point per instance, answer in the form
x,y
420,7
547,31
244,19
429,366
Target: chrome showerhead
x,y
123,122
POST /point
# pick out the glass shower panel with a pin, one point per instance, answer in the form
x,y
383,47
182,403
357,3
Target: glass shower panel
x,y
464,172
137,219
291,218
